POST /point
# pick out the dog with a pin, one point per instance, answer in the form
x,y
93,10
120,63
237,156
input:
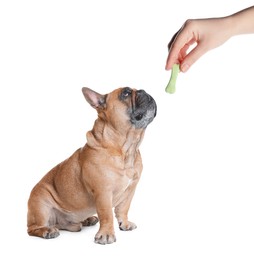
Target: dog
x,y
98,177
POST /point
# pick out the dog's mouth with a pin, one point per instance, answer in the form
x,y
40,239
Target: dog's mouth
x,y
143,109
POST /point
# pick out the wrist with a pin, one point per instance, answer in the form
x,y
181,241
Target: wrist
x,y
242,22
230,25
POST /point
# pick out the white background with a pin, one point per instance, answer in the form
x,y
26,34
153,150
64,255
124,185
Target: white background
x,y
195,199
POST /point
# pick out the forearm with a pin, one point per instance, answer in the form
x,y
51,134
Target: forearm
x,y
242,22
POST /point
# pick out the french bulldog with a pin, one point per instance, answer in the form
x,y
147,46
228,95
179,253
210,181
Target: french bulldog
x,y
99,177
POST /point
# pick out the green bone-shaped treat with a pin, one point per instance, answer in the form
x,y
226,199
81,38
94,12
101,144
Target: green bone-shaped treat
x,y
171,87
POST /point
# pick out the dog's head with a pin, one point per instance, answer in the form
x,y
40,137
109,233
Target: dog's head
x,y
123,107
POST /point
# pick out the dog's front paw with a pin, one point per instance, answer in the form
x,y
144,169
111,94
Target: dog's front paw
x,y
104,238
127,226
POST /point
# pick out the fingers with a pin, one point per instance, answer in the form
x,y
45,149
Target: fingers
x,y
204,33
178,46
193,56
172,57
172,40
186,60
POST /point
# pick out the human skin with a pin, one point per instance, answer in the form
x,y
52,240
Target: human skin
x,y
205,35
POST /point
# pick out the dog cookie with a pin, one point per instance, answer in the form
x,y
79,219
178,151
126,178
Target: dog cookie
x,y
171,87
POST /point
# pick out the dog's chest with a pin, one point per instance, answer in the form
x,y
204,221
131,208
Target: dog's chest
x,y
124,185
128,170
127,178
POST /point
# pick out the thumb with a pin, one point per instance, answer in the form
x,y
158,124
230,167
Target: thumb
x,y
192,57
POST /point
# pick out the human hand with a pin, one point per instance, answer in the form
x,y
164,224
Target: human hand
x,y
207,34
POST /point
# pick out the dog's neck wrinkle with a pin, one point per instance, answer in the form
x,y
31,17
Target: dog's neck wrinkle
x,y
132,140
105,136
109,134
130,149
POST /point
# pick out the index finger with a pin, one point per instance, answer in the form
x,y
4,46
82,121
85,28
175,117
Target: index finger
x,y
171,59
179,41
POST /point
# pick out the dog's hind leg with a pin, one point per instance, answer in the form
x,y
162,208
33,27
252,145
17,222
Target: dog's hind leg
x,y
75,227
72,227
64,222
91,221
44,232
41,220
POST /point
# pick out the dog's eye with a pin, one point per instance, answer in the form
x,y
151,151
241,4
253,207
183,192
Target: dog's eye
x,y
126,92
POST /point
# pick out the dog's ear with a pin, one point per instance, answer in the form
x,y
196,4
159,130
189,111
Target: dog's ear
x,y
95,99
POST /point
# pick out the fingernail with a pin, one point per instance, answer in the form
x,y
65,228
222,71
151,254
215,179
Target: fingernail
x,y
184,67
